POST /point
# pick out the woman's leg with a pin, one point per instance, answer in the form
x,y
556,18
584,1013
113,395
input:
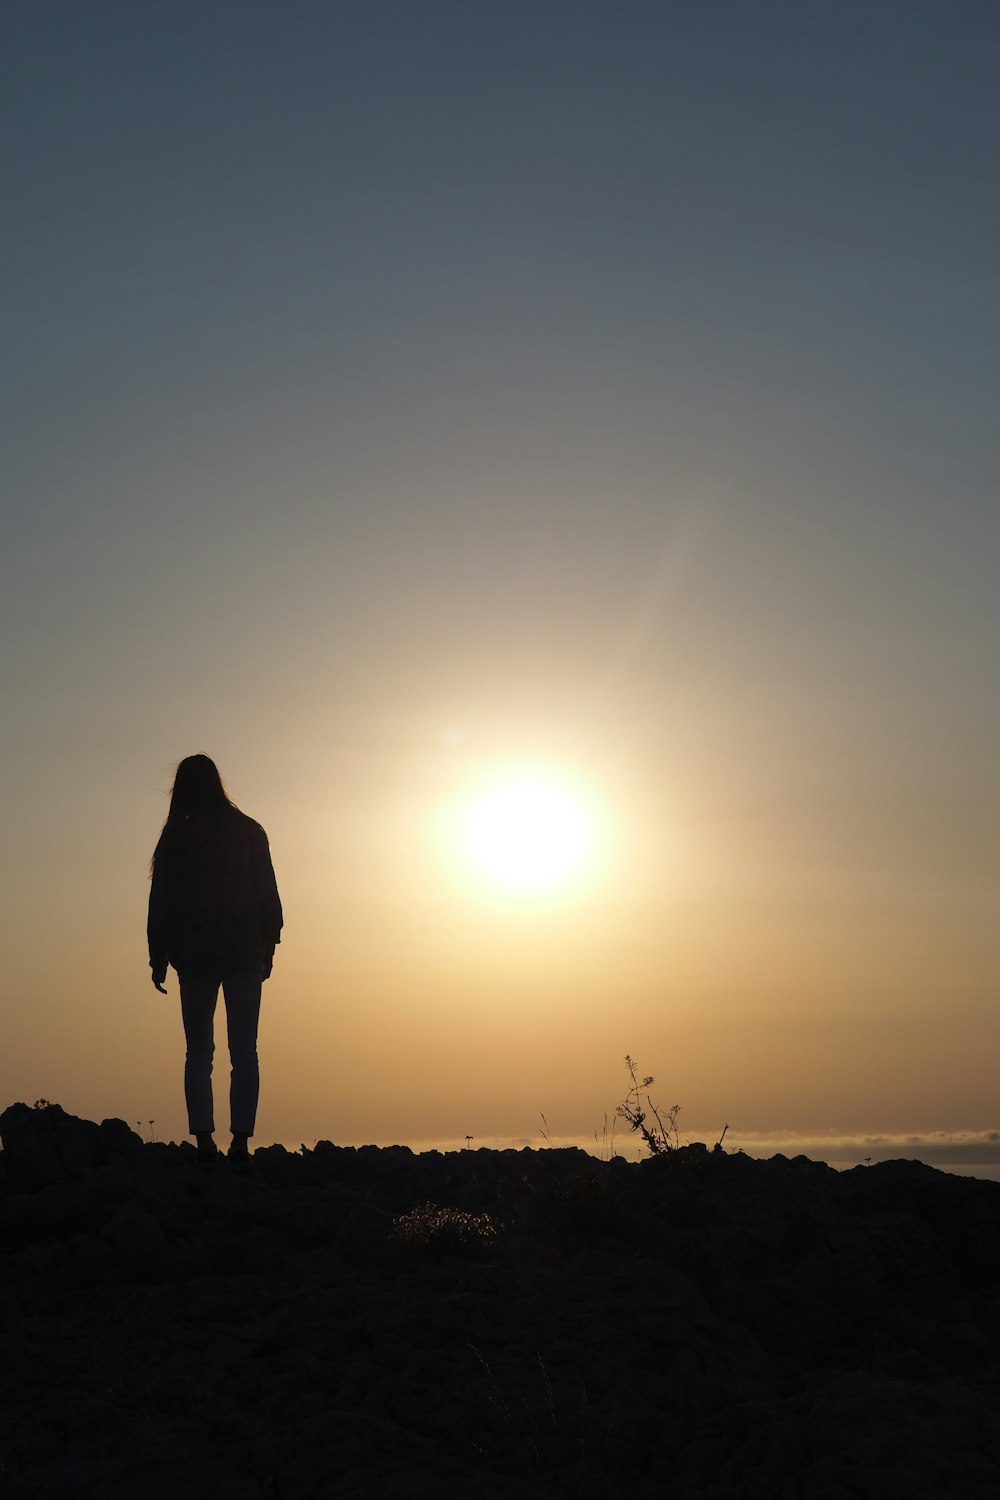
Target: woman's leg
x,y
198,1000
242,992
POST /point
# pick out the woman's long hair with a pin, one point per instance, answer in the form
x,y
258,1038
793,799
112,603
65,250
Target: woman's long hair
x,y
197,792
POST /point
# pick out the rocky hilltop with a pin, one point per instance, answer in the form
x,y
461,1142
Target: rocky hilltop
x,y
370,1322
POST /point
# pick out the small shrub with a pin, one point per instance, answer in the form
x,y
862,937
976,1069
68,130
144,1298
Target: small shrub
x,y
662,1137
442,1230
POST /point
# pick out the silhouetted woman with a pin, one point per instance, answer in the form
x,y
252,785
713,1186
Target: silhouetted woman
x,y
215,915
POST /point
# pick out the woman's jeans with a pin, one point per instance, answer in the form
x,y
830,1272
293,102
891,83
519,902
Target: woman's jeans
x,y
198,1001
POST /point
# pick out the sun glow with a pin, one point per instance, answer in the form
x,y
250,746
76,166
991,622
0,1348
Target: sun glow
x,y
528,835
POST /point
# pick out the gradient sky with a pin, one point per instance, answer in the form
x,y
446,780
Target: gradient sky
x,y
398,391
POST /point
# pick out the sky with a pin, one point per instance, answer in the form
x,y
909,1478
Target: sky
x,y
405,400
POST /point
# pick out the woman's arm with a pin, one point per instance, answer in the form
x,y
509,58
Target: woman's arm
x,y
269,913
156,927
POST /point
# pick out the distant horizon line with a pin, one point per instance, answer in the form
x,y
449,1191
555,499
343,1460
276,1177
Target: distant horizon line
x,y
964,1151
960,1151
967,1148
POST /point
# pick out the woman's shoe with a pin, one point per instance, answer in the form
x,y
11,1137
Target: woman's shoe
x,y
239,1147
207,1149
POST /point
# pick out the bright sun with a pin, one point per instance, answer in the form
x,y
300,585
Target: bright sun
x,y
528,835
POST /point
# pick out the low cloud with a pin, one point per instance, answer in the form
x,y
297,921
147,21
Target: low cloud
x,y
962,1150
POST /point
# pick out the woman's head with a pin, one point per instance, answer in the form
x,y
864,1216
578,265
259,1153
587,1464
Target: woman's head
x,y
197,792
197,789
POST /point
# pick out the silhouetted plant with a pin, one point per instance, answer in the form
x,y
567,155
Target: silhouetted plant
x,y
661,1137
541,1433
606,1140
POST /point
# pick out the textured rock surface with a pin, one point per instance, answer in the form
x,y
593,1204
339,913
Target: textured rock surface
x,y
345,1322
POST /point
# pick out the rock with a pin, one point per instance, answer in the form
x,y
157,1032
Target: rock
x,y
537,1323
44,1145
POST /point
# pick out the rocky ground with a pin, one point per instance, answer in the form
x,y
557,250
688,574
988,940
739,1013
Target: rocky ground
x,y
344,1322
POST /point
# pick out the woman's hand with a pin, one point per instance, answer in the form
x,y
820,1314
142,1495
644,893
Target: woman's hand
x,y
159,975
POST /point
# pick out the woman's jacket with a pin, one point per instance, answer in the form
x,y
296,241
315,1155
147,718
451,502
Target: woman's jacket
x,y
214,908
